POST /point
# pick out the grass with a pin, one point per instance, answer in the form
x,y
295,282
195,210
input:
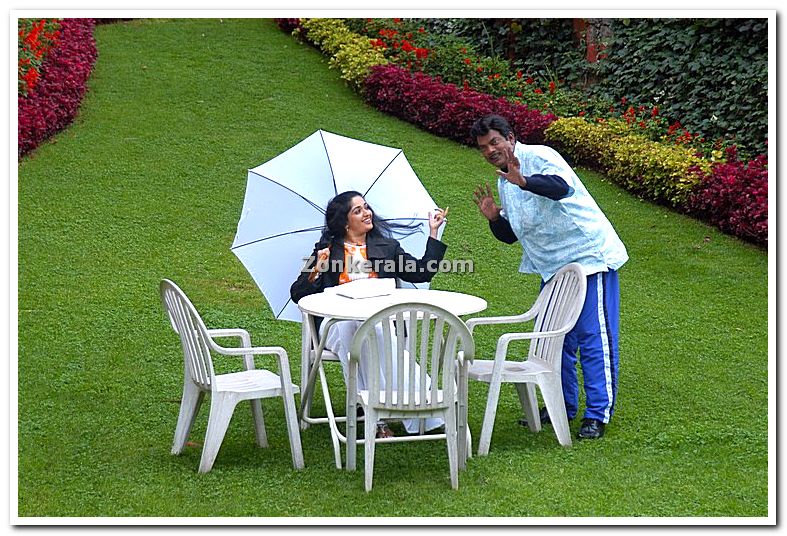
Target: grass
x,y
149,182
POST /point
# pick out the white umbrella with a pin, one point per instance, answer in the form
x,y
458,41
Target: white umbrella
x,y
284,208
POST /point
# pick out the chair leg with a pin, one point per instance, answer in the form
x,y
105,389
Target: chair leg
x,y
463,430
294,431
489,417
451,445
259,422
552,392
352,434
190,402
529,402
222,405
370,432
463,442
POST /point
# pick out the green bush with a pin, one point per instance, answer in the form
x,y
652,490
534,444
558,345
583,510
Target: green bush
x,y
545,49
660,172
709,74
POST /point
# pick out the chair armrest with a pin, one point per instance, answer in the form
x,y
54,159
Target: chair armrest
x,y
252,350
483,320
278,351
506,338
236,332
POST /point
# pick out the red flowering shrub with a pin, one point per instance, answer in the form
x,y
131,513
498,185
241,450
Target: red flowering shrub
x,y
36,38
54,102
734,197
444,109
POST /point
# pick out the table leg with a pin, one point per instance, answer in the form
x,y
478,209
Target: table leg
x,y
307,327
313,367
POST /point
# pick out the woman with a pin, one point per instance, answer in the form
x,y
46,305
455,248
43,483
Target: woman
x,y
353,234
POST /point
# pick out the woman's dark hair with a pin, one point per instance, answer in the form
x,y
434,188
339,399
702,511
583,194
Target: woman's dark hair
x,y
490,122
336,221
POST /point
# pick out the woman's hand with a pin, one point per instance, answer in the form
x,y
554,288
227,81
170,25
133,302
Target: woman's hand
x,y
321,265
436,220
322,259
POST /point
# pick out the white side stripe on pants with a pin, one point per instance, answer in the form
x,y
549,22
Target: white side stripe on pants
x,y
602,322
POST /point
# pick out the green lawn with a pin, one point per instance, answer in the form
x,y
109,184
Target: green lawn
x,y
149,183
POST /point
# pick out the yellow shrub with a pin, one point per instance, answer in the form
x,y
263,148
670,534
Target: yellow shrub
x,y
352,54
659,171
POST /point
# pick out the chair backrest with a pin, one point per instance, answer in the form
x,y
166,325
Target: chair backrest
x,y
559,305
410,334
193,333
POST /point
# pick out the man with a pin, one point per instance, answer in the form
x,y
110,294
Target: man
x,y
548,210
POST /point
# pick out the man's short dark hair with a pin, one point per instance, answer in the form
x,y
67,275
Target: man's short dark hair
x,y
490,122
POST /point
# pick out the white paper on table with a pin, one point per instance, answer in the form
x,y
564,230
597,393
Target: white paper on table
x,y
366,288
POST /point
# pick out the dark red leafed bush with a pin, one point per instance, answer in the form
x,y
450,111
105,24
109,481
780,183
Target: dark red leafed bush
x,y
444,109
734,197
288,25
54,102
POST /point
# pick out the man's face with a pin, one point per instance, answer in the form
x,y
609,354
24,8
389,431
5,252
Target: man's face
x,y
493,147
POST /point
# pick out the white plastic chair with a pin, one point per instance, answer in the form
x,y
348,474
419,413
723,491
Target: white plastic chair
x,y
226,390
439,343
555,312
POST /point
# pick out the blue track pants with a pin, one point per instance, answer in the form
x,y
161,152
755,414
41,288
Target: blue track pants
x,y
596,337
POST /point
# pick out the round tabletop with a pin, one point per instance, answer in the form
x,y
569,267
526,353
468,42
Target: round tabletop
x,y
330,304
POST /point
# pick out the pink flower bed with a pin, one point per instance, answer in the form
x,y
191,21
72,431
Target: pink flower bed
x,y
54,102
445,109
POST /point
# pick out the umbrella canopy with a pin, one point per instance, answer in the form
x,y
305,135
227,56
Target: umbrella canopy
x,y
284,208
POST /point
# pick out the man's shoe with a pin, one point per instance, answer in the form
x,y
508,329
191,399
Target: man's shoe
x,y
543,415
591,429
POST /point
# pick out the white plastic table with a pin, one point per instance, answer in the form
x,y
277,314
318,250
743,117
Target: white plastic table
x,y
334,307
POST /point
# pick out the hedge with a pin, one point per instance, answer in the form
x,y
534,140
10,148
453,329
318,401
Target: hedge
x,y
55,100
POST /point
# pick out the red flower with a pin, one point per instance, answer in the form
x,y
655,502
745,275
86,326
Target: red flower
x,y
519,74
538,91
421,53
421,30
518,93
529,81
642,124
552,87
479,69
655,111
497,75
582,113
397,21
468,61
623,101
